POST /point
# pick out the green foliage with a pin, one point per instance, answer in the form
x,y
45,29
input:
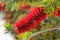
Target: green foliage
x,y
52,22
7,25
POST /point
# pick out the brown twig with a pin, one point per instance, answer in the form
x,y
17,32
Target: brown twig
x,y
40,32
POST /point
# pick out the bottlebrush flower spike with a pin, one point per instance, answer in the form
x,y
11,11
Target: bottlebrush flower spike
x,y
56,14
35,16
2,5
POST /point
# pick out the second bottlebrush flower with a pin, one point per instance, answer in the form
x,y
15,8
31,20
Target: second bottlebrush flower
x,y
56,13
2,6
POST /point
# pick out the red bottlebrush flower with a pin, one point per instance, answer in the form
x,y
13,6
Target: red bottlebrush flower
x,y
2,6
56,14
53,13
35,16
24,7
58,8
